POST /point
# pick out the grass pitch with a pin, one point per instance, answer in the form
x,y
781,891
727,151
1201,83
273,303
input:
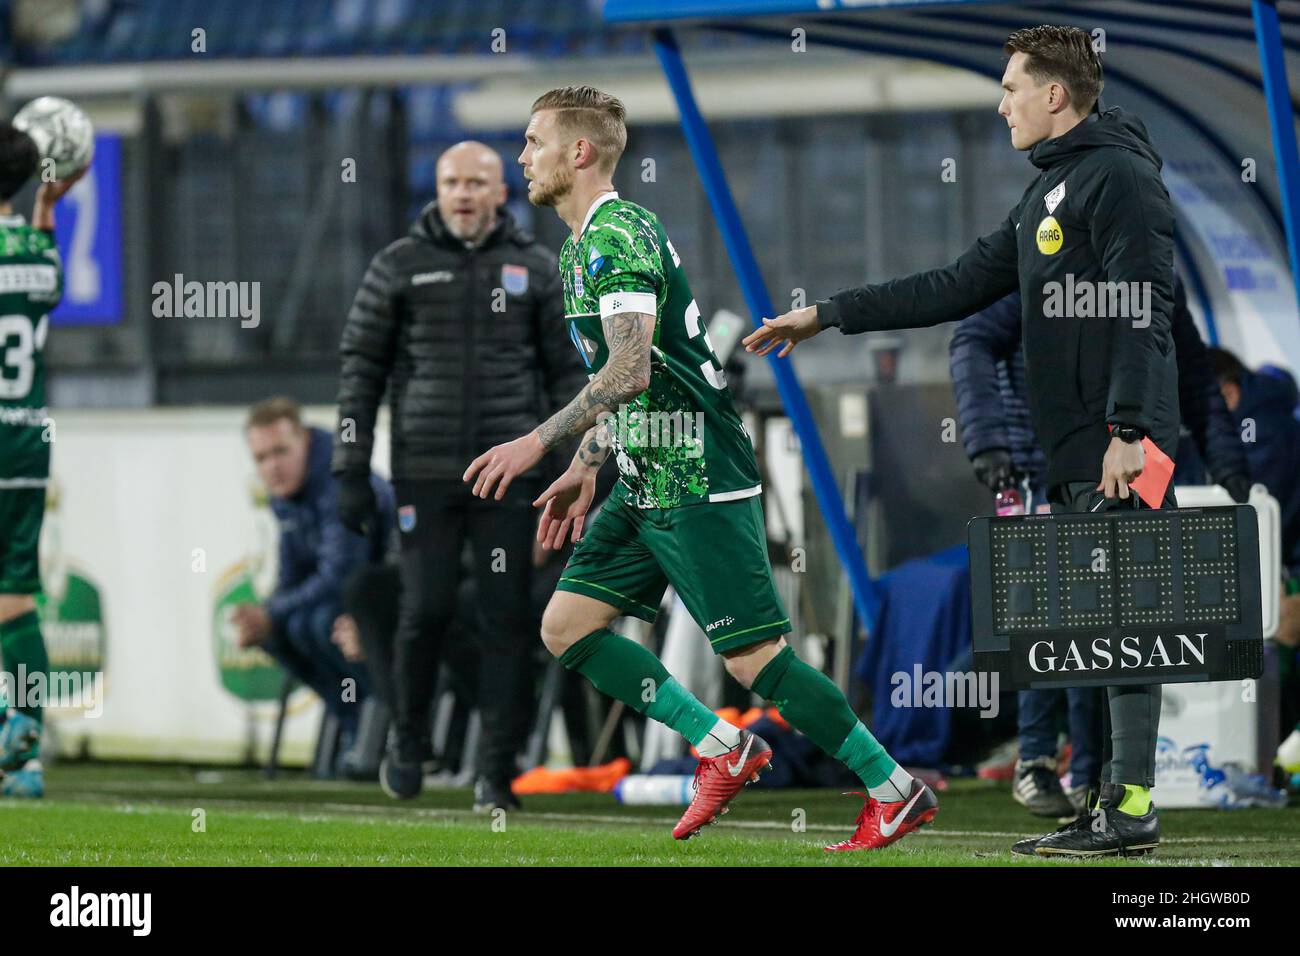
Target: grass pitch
x,y
144,815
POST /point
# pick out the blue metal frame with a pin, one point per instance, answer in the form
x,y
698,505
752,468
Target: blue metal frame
x,y
643,11
1196,282
865,596
1281,119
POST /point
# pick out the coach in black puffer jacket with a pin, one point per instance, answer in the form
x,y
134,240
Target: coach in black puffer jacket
x,y
463,321
473,341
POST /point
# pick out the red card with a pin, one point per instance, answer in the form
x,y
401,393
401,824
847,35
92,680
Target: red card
x,y
1157,469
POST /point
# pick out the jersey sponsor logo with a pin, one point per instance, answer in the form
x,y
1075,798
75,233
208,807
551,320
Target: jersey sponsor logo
x,y
406,518
1053,199
595,261
1049,236
24,416
514,279
428,278
28,278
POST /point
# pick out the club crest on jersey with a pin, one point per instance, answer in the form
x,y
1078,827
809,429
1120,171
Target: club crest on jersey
x,y
406,518
514,279
594,261
577,280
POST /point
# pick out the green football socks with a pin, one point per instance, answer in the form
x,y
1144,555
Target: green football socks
x,y
21,645
814,706
626,671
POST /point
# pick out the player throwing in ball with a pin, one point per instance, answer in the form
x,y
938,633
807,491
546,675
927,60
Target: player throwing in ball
x,y
31,283
686,510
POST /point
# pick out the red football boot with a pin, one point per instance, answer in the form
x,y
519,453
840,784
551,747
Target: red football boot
x,y
719,779
880,824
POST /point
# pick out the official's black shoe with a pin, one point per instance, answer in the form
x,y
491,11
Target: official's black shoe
x,y
1105,831
1038,788
400,779
492,795
1026,847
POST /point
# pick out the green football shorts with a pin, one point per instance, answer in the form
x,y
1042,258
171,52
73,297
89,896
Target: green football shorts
x,y
21,512
714,554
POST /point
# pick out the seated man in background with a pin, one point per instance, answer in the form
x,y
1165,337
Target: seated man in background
x,y
317,556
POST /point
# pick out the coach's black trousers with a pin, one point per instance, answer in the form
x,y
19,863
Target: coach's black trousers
x,y
1129,750
435,519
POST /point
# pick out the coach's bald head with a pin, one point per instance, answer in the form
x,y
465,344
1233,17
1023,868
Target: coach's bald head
x,y
471,187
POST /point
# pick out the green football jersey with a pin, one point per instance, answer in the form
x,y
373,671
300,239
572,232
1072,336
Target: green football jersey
x,y
680,441
31,282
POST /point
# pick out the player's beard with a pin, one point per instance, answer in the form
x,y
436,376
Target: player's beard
x,y
561,185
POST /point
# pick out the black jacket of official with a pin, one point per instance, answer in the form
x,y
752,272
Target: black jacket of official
x,y
988,372
470,341
1097,213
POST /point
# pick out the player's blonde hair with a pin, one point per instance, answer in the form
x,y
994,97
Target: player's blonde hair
x,y
589,113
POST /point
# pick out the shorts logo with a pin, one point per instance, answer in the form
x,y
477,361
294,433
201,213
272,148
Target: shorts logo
x,y
514,279
406,518
721,622
1049,237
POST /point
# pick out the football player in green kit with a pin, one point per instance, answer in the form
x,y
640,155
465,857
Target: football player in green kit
x,y
686,510
31,283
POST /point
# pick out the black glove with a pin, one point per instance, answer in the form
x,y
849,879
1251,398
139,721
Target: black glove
x,y
356,502
994,468
1238,486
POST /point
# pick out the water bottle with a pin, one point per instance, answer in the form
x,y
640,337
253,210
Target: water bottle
x,y
1009,501
664,790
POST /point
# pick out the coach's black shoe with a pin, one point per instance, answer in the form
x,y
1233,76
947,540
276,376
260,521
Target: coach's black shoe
x,y
1105,831
400,779
1038,789
492,795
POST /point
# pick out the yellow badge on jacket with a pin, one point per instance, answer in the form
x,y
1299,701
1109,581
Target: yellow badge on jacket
x,y
1049,236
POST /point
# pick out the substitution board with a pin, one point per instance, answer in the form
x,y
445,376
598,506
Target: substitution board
x,y
1119,597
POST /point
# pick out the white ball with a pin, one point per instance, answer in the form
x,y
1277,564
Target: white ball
x,y
61,131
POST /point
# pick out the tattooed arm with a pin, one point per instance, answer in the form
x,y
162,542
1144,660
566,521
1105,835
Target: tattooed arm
x,y
594,448
625,375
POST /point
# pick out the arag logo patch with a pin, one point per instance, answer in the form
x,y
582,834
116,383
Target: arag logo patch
x,y
1049,236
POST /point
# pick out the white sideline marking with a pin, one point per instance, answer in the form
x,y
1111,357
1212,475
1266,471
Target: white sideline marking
x,y
401,815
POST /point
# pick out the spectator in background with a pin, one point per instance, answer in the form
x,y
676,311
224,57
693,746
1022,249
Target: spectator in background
x,y
317,556
1263,411
988,374
462,321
